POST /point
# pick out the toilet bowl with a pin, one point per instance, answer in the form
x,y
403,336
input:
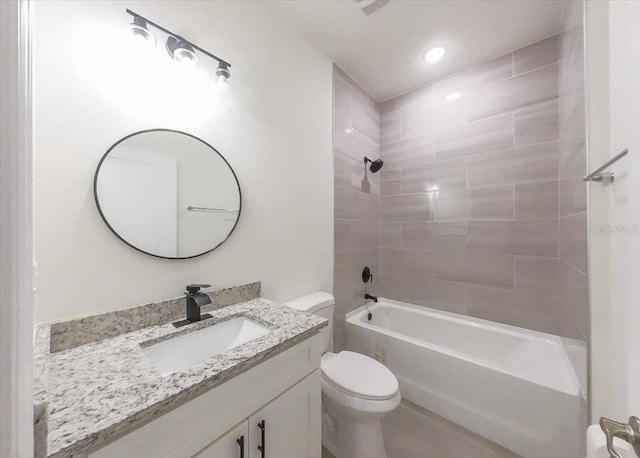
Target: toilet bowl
x,y
357,392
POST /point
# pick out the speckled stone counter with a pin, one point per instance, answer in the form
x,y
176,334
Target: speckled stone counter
x,y
104,389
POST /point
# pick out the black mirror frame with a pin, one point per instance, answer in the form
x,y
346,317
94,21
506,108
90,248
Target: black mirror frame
x,y
95,191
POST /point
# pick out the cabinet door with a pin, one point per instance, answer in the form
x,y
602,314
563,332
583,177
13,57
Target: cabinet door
x,y
233,444
289,426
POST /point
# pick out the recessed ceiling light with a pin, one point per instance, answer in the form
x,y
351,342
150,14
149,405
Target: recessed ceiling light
x,y
453,96
348,130
434,54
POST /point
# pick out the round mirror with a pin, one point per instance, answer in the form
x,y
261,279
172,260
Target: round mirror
x,y
167,193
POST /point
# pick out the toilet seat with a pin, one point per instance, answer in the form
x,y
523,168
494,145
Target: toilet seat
x,y
358,375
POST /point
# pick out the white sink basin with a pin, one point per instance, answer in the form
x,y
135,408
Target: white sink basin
x,y
186,350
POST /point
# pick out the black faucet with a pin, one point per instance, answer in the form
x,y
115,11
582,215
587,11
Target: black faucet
x,y
195,300
373,298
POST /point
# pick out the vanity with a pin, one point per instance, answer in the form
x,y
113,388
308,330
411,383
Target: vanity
x,y
247,387
223,373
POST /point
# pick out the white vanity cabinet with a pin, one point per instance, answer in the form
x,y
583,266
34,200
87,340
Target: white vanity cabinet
x,y
234,444
289,426
283,391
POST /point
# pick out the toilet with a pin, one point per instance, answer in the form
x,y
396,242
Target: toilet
x,y
357,391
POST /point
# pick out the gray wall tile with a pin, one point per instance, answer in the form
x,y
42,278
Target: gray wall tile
x,y
434,176
390,181
503,237
477,137
365,234
538,274
341,235
477,268
407,153
407,101
536,200
491,202
366,122
573,241
390,234
532,310
444,295
488,72
391,129
413,207
389,286
521,237
513,93
432,235
537,124
356,202
537,55
516,165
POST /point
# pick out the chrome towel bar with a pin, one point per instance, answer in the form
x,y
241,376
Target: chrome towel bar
x,y
214,210
605,177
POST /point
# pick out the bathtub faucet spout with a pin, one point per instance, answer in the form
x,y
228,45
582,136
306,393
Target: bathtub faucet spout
x,y
373,298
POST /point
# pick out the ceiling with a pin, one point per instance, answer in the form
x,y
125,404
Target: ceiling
x,y
384,51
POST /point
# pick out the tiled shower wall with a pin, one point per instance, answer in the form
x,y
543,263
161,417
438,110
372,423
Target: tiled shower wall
x,y
481,208
572,190
469,204
356,196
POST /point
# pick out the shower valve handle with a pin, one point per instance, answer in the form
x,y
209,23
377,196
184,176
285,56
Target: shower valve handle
x,y
367,276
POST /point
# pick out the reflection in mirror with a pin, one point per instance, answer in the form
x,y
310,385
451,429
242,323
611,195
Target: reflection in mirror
x,y
167,194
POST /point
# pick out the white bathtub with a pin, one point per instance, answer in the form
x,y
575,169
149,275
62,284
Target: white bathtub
x,y
513,386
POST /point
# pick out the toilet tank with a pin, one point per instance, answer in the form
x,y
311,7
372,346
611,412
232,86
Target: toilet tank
x,y
320,304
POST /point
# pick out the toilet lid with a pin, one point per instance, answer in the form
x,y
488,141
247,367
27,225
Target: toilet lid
x,y
359,375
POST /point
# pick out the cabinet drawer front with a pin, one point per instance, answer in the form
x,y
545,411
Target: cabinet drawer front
x,y
184,431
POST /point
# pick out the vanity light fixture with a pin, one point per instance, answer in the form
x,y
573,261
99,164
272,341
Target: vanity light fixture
x,y
184,52
181,51
140,30
222,85
434,54
223,75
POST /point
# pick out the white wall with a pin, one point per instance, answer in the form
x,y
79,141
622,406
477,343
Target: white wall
x,y
613,44
88,92
16,236
598,145
624,207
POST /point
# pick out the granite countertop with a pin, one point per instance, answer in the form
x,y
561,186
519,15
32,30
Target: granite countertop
x,y
101,390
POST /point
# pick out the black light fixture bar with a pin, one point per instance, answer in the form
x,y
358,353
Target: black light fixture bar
x,y
169,32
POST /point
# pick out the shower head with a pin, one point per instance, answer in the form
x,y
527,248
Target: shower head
x,y
375,165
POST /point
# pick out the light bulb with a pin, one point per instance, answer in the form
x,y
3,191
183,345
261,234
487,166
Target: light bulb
x,y
225,98
185,56
181,51
453,96
142,36
222,86
435,54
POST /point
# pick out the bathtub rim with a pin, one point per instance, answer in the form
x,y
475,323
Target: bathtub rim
x,y
574,390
